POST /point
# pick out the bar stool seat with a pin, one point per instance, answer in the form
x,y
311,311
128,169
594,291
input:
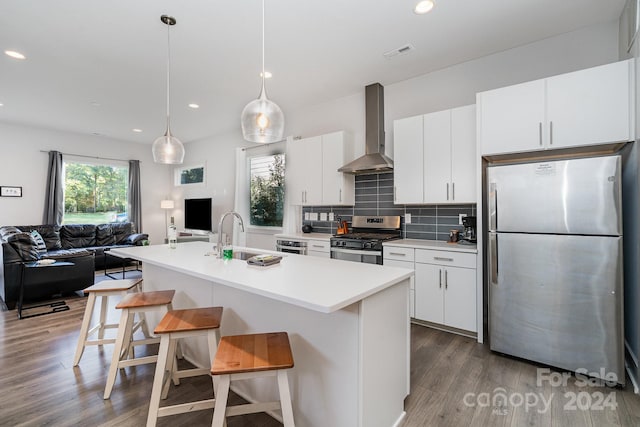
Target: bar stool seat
x,y
104,289
242,357
141,303
175,325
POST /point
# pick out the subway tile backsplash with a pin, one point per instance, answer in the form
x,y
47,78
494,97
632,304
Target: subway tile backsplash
x,y
374,196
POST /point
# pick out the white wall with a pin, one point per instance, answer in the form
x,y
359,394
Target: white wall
x,y
24,165
457,85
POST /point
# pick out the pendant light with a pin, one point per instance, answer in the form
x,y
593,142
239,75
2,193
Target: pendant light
x,y
262,120
168,149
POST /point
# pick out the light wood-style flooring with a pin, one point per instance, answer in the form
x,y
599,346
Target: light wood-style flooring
x,y
40,387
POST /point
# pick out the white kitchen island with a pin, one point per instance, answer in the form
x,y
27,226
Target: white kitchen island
x,y
348,324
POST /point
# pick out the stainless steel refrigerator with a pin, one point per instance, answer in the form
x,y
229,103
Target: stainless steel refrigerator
x,y
555,263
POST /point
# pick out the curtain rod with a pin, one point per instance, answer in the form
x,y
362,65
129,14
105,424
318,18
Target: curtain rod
x,y
88,157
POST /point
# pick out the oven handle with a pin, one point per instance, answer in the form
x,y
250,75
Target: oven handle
x,y
356,252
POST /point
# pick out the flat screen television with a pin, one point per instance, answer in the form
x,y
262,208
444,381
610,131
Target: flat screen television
x,y
197,214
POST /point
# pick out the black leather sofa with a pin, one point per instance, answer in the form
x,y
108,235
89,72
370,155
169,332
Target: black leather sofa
x,y
82,244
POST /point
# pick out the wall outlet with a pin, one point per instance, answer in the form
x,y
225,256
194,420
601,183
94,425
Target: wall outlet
x,y
313,216
460,216
323,216
306,216
407,218
331,217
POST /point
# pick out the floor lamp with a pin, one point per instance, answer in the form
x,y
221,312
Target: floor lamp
x,y
166,205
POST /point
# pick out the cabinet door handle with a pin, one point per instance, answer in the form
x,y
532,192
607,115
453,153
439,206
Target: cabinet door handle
x,y
317,246
395,193
341,195
453,191
447,191
397,254
439,258
440,277
446,282
550,133
540,132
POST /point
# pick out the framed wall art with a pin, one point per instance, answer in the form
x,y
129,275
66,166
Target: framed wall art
x,y
10,191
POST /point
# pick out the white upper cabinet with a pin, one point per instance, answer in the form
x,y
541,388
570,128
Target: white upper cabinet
x,y
587,107
592,106
440,169
312,176
407,160
463,154
337,188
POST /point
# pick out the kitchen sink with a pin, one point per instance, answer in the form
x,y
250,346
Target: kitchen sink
x,y
243,255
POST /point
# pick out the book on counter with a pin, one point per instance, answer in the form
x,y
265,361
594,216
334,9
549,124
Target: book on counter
x,y
264,260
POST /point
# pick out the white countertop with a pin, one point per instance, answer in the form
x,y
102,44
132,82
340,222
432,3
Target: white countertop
x,y
432,244
306,236
320,284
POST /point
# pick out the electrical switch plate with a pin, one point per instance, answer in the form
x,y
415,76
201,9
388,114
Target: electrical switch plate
x,y
460,216
407,218
306,216
313,216
331,217
323,216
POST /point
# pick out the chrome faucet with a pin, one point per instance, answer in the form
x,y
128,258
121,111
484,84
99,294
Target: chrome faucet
x,y
219,246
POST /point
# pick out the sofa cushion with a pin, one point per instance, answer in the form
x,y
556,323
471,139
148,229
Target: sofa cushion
x,y
50,234
78,236
104,235
121,231
39,242
22,243
67,253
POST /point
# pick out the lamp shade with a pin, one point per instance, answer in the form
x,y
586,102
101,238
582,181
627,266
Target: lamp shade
x,y
166,204
262,121
168,149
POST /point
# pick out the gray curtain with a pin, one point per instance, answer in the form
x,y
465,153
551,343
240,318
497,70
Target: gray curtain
x,y
135,204
54,197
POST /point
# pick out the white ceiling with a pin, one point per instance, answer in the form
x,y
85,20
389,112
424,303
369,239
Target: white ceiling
x,y
113,53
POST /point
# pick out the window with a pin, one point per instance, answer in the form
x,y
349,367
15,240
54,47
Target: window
x,y
189,175
266,204
95,194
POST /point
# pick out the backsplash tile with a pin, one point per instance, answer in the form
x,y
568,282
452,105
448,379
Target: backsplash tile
x,y
374,196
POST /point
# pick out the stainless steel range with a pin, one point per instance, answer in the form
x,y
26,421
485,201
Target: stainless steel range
x,y
364,243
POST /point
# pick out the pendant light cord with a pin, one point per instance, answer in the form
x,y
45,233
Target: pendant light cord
x,y
263,76
168,71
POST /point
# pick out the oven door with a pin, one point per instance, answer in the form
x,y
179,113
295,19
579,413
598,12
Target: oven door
x,y
369,257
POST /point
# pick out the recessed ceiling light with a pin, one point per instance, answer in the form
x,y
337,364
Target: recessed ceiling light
x,y
94,104
424,6
1,104
14,54
136,130
267,75
194,106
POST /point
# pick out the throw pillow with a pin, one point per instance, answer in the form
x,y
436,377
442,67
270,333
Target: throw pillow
x,y
40,245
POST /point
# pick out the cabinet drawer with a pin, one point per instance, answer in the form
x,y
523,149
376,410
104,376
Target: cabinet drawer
x,y
318,246
400,254
457,259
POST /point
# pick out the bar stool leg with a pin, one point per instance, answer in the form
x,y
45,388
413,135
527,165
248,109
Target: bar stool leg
x,y
128,348
285,399
222,394
117,351
103,315
88,312
171,366
158,380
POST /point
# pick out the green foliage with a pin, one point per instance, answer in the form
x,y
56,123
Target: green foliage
x,y
94,189
266,207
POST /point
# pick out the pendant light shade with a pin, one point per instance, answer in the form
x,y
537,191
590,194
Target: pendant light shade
x,y
262,120
168,149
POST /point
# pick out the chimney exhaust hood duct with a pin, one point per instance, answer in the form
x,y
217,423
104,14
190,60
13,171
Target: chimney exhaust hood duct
x,y
374,160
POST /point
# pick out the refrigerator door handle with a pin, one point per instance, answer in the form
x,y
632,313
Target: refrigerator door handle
x,y
493,206
493,258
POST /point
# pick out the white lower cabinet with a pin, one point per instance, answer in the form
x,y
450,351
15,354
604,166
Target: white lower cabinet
x,y
445,288
319,248
412,289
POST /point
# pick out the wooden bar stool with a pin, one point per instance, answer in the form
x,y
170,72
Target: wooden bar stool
x,y
241,357
177,324
140,303
104,289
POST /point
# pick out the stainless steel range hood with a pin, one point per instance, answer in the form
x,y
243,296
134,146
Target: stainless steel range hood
x,y
374,159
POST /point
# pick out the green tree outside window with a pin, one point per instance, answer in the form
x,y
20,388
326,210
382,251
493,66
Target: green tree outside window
x,y
266,207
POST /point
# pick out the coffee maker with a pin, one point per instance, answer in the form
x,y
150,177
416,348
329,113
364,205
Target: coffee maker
x,y
469,229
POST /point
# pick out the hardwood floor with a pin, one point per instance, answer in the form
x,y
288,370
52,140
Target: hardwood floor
x,y
40,387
